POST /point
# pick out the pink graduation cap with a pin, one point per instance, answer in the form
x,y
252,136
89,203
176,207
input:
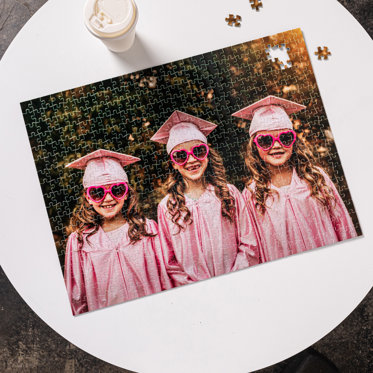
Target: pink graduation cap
x,y
103,167
270,113
182,127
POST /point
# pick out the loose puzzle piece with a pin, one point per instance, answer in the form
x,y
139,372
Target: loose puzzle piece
x,y
322,53
256,4
234,20
121,114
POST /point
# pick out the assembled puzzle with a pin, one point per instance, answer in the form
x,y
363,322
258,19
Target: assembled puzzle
x,y
189,170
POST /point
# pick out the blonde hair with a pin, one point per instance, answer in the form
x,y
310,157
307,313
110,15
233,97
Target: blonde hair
x,y
302,159
85,218
214,175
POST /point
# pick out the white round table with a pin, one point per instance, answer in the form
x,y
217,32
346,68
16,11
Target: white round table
x,y
235,323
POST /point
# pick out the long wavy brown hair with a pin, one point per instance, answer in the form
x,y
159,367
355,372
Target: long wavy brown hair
x,y
305,165
214,175
85,218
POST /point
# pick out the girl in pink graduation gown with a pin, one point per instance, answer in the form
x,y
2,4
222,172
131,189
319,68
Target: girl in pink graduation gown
x,y
295,204
203,226
113,253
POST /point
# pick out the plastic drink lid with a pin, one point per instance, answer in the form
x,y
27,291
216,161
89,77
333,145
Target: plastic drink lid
x,y
109,18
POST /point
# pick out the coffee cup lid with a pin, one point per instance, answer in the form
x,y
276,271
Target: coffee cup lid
x,y
109,18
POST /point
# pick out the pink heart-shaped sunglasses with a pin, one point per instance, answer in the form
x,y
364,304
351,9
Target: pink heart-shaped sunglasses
x,y
181,156
98,193
266,141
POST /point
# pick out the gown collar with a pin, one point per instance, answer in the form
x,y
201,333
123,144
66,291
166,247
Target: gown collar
x,y
206,196
101,240
293,183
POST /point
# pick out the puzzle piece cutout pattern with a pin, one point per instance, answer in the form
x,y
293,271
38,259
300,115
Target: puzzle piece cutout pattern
x,y
278,54
122,114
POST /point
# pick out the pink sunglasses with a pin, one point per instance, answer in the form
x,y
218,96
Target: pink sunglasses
x,y
266,142
181,156
98,193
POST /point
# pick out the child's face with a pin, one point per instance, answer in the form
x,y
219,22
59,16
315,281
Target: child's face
x,y
278,155
110,207
193,169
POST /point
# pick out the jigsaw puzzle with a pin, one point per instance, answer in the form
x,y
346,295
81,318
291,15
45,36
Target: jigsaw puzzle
x,y
188,170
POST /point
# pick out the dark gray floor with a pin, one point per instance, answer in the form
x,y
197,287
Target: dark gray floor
x,y
27,344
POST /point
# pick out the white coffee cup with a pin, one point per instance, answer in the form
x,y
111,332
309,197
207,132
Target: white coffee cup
x,y
112,21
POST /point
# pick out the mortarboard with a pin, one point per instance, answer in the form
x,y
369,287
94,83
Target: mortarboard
x,y
182,127
103,167
270,113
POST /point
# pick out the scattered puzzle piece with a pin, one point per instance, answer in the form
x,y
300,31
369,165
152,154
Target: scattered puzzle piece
x,y
234,20
256,4
322,53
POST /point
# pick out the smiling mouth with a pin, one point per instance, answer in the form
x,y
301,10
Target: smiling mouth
x,y
108,207
194,167
277,154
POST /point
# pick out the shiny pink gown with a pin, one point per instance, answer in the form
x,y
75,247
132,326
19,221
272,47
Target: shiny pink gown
x,y
295,222
211,245
110,270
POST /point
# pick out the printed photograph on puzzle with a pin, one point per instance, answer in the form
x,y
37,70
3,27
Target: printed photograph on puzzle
x,y
189,170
